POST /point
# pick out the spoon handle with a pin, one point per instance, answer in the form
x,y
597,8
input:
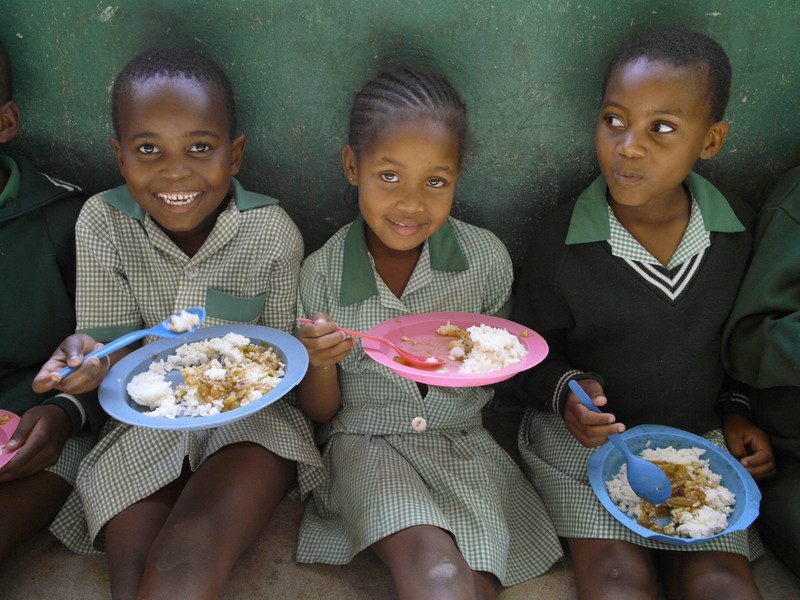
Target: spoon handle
x,y
110,347
582,396
360,334
584,399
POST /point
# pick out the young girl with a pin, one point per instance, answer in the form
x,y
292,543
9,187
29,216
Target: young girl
x,y
412,472
176,509
631,286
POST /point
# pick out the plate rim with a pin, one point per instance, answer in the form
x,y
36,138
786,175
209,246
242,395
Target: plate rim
x,y
594,466
109,392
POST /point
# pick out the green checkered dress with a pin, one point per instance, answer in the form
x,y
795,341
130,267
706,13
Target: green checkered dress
x,y
383,476
75,450
131,276
556,462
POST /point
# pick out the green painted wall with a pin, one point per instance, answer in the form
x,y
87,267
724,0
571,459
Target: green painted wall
x,y
530,71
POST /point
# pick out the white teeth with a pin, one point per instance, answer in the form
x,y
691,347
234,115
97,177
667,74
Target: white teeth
x,y
178,198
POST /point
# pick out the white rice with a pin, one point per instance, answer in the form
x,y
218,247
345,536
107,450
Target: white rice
x,y
152,390
702,521
492,349
183,321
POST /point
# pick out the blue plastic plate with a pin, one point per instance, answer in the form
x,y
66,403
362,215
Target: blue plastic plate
x,y
606,461
115,400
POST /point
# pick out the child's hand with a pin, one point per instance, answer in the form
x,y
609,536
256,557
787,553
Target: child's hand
x,y
750,444
326,345
70,353
590,428
40,437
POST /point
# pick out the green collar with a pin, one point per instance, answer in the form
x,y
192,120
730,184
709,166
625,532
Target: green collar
x,y
358,278
11,191
121,199
589,221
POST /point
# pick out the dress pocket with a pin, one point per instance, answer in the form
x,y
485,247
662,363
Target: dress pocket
x,y
237,309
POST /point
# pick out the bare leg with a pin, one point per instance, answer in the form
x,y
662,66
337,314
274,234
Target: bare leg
x,y
223,507
613,569
708,576
426,563
129,535
29,505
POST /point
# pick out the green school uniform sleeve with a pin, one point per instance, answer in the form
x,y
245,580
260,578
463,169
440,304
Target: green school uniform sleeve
x,y
762,338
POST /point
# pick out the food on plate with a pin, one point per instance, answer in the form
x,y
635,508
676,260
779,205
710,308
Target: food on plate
x,y
482,348
699,506
219,374
183,321
5,418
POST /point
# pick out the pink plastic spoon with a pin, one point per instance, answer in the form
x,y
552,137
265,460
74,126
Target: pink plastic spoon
x,y
413,359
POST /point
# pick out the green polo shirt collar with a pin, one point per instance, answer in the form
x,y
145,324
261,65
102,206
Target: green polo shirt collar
x,y
590,222
11,191
358,277
121,199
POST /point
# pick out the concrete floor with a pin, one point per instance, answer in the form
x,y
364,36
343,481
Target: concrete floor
x,y
45,570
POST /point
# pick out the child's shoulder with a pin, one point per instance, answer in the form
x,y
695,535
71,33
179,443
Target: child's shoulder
x,y
786,194
475,239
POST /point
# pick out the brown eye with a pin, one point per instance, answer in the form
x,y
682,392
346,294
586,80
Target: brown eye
x,y
148,149
663,128
390,177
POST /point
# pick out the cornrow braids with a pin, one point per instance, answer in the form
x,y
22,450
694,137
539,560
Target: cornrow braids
x,y
173,62
402,94
681,48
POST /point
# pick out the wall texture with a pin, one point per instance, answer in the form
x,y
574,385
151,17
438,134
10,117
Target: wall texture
x,y
530,71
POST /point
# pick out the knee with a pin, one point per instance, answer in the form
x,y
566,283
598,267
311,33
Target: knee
x,y
614,571
440,570
183,547
719,582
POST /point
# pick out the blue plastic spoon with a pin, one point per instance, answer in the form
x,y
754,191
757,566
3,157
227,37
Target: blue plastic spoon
x,y
161,330
646,479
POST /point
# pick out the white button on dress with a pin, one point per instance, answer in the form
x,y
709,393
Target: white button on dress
x,y
419,424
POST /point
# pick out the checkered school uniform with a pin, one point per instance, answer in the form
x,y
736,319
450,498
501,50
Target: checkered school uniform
x,y
131,276
395,458
553,459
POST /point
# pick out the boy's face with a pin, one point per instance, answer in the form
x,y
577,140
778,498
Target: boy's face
x,y
176,154
654,124
406,179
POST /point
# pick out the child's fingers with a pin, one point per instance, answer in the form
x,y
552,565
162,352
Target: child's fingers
x,y
735,445
760,464
329,356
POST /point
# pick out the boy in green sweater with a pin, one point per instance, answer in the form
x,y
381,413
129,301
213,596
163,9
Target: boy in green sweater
x,y
37,268
762,348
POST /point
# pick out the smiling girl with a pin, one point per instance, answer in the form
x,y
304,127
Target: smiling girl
x,y
412,473
175,509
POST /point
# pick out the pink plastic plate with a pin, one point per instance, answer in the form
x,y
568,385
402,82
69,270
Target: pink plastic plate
x,y
422,339
7,429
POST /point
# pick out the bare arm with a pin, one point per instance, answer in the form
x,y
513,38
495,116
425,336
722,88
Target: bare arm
x,y
319,393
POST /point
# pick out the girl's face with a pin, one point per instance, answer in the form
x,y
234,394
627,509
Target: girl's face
x,y
406,179
176,154
654,124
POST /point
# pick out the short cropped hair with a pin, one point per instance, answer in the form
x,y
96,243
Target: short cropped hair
x,y
681,48
172,62
5,75
402,94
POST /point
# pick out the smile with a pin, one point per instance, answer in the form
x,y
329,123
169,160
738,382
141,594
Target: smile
x,y
403,227
177,198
